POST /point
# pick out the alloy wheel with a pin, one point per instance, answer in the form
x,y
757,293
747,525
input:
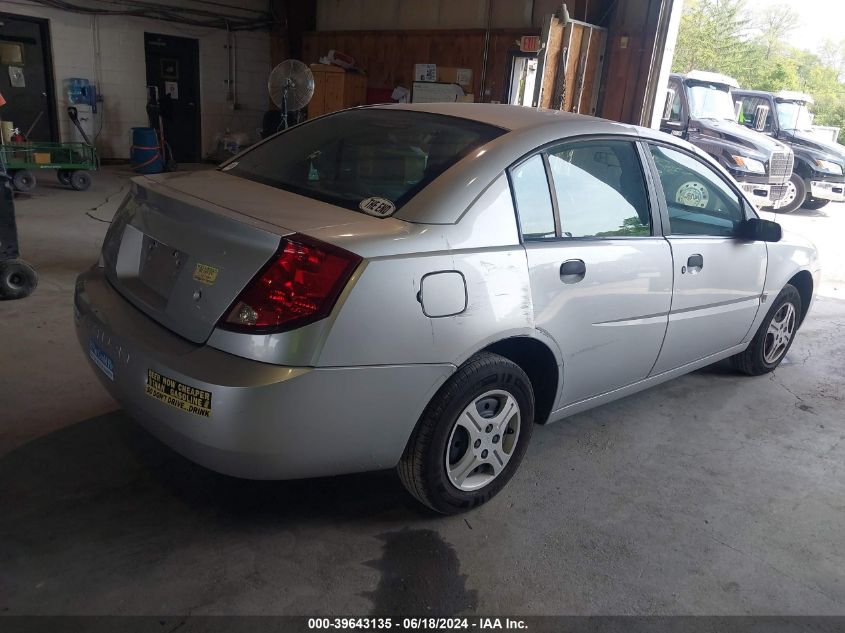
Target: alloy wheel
x,y
780,333
482,440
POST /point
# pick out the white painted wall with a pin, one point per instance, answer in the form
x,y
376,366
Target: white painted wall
x,y
119,71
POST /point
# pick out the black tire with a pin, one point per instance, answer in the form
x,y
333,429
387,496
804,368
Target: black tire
x,y
813,204
800,195
752,361
17,279
24,180
63,176
80,180
423,467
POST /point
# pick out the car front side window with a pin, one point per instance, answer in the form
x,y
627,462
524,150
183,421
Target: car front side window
x,y
600,189
698,200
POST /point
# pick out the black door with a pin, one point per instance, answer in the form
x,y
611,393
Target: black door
x,y
173,68
26,77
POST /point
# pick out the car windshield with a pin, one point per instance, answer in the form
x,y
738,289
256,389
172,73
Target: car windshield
x,y
794,116
710,102
354,156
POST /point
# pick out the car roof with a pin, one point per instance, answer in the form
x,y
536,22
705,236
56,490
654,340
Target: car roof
x,y
445,199
507,117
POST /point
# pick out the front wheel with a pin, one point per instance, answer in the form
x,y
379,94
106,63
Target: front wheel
x,y
774,338
63,176
24,180
796,192
471,437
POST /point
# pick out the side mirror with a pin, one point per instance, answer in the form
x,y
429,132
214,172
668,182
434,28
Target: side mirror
x,y
759,230
760,116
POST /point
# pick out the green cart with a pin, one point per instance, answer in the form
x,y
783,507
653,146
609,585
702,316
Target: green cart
x,y
72,161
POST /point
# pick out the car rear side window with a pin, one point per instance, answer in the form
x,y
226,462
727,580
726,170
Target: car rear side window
x,y
699,201
533,199
354,157
600,189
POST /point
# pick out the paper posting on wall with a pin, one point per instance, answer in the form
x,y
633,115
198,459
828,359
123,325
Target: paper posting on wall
x,y
171,89
16,77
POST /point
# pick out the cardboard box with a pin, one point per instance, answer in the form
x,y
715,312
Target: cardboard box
x,y
41,158
425,72
460,76
467,98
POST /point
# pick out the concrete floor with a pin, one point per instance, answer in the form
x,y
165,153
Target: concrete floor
x,y
712,494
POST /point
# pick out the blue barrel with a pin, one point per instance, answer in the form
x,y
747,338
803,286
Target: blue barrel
x,y
145,154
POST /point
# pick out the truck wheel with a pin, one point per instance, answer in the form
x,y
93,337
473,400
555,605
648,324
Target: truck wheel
x,y
80,180
796,192
471,436
24,180
17,279
814,204
63,176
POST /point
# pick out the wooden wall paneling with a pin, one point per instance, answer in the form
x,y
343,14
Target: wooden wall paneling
x,y
388,57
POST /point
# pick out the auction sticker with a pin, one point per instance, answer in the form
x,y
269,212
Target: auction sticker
x,y
177,394
205,274
379,207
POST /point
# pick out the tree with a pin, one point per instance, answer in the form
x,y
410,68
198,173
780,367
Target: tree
x,y
775,24
721,36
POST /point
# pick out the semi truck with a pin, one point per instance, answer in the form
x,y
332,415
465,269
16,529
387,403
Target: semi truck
x,y
700,109
818,176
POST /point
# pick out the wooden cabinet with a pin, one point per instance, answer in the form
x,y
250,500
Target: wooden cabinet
x,y
336,89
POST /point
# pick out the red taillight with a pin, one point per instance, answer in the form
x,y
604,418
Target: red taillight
x,y
300,285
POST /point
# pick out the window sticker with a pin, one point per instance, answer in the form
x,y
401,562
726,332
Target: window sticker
x,y
378,207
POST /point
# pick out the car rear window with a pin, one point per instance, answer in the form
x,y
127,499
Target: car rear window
x,y
370,160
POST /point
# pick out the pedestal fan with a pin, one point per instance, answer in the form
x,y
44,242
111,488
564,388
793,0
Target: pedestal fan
x,y
291,86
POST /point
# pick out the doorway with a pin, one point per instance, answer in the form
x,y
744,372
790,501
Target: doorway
x,y
26,77
173,69
521,79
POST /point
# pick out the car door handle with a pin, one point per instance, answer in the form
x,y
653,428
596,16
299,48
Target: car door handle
x,y
694,264
572,271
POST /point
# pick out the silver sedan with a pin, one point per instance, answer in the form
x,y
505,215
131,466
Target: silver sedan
x,y
416,286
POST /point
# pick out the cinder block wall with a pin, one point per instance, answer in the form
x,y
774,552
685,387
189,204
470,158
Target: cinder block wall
x,y
109,51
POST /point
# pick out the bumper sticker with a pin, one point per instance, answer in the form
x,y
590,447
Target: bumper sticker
x,y
177,394
101,359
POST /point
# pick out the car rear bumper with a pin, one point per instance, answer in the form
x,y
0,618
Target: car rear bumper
x,y
242,417
827,190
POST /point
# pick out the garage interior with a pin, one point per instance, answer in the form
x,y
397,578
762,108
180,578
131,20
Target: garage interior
x,y
711,494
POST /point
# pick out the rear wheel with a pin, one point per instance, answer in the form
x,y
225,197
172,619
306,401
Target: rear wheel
x,y
24,180
774,338
80,180
796,192
814,203
17,279
471,437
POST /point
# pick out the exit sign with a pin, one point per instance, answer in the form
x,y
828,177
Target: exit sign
x,y
529,43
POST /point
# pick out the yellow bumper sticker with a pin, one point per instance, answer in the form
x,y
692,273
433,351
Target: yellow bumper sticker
x,y
177,394
205,274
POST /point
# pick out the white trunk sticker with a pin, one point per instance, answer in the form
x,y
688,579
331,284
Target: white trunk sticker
x,y
378,207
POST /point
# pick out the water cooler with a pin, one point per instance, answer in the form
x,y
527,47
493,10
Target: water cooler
x,y
82,95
